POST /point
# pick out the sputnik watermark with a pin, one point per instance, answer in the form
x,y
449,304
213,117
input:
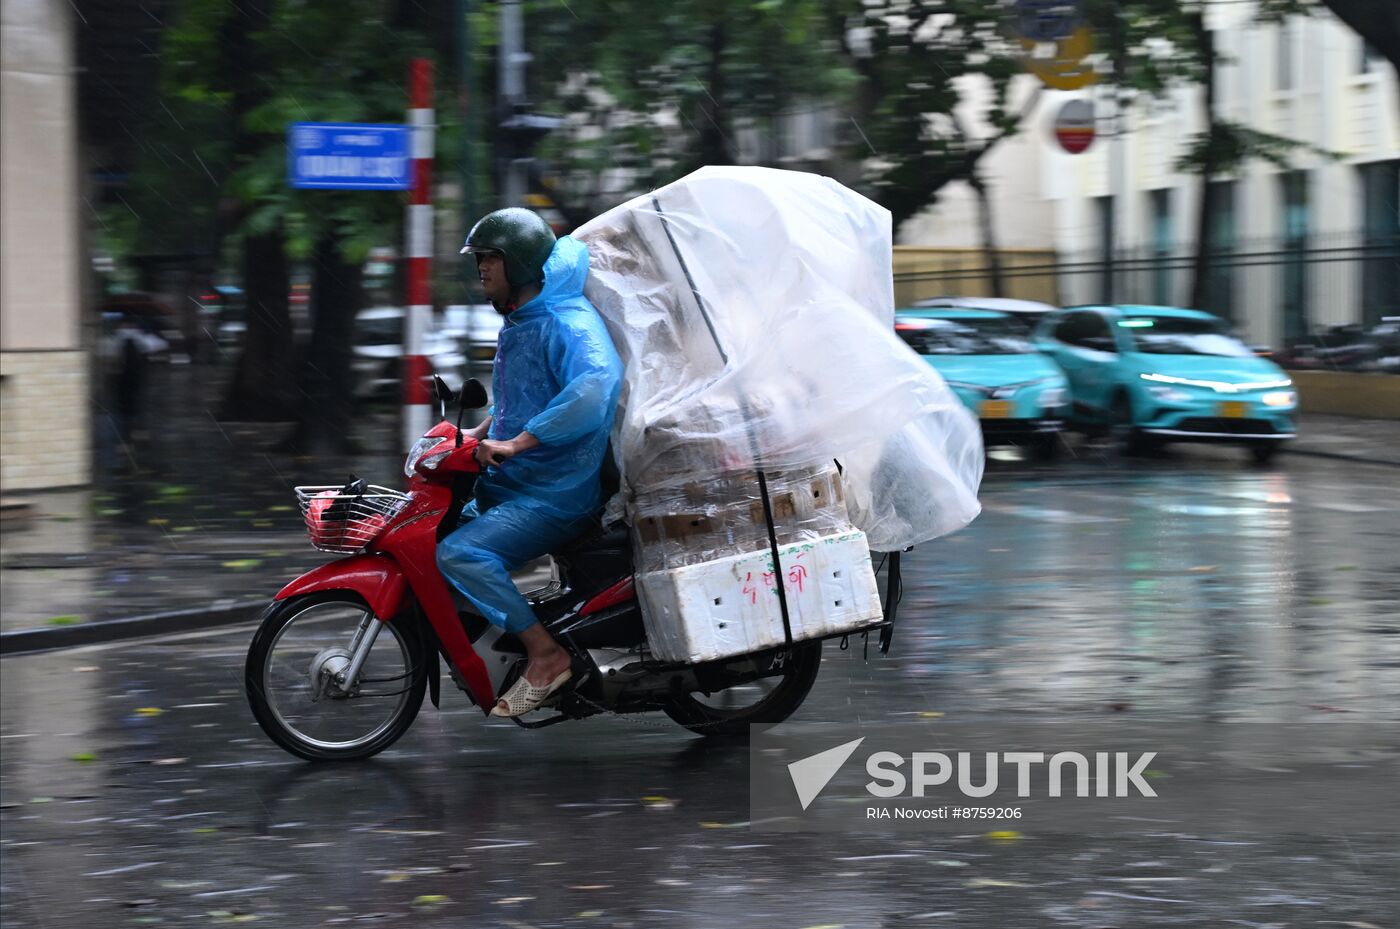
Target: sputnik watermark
x,y
1117,773
1096,777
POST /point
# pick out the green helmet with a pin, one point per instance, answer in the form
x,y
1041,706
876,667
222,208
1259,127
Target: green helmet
x,y
518,235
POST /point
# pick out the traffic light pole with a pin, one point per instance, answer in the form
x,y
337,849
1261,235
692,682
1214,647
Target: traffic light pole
x,y
418,255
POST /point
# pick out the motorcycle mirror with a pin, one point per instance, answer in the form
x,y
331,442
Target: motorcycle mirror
x,y
443,394
473,395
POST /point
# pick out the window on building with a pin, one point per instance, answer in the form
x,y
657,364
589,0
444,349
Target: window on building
x,y
1161,235
1294,195
1103,214
1370,59
1380,211
1220,242
1284,59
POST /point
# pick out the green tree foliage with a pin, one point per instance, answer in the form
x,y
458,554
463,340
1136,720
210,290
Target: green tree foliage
x,y
651,90
924,64
313,62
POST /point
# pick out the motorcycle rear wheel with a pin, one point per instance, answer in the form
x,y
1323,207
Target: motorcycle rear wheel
x,y
729,712
290,671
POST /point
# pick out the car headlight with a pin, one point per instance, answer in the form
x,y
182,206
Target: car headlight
x,y
1169,394
1054,396
1280,398
419,449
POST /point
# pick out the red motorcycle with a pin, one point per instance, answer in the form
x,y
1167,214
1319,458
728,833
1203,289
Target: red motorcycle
x,y
343,657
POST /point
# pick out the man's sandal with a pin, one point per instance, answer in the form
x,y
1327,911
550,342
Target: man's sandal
x,y
524,696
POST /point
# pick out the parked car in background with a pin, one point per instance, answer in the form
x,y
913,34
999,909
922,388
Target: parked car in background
x,y
1027,312
988,359
1347,347
223,313
1153,375
477,327
378,354
153,315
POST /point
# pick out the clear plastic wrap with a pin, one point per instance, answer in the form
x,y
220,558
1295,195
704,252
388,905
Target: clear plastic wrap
x,y
753,310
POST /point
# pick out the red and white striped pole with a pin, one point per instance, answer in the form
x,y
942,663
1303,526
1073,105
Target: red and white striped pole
x,y
418,251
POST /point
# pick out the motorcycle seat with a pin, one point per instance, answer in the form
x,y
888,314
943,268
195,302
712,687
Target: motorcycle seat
x,y
598,538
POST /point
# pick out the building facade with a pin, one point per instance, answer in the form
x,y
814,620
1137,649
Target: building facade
x,y
1296,248
44,397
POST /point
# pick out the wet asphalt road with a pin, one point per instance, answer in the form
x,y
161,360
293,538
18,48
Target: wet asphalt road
x,y
136,789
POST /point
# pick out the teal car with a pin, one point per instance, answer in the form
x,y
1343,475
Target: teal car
x,y
987,359
1153,375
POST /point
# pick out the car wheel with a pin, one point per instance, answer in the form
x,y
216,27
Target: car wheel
x,y
1123,433
1263,452
1045,447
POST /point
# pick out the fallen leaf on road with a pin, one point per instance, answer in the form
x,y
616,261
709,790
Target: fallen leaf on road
x,y
1005,836
63,620
931,714
589,886
157,521
511,901
989,882
658,803
1203,568
433,900
85,757
149,711
168,761
243,564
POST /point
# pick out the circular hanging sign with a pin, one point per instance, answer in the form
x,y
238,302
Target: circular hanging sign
x,y
1074,126
1067,65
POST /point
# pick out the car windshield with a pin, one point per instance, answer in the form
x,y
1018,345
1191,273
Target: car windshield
x,y
973,335
1182,335
382,330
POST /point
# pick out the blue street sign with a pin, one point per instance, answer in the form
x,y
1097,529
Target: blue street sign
x,y
349,156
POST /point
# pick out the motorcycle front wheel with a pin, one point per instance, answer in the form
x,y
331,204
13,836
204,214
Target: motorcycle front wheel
x,y
770,699
296,677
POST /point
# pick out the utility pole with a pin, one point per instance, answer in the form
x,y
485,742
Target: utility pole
x,y
510,79
519,129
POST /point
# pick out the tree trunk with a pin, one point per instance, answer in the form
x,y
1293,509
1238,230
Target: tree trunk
x,y
714,143
989,238
262,390
323,427
1205,42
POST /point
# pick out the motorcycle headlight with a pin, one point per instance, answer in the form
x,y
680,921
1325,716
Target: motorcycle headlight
x,y
419,449
1053,397
1280,398
1169,394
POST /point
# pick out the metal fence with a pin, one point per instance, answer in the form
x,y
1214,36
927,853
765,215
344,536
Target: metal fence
x,y
1276,292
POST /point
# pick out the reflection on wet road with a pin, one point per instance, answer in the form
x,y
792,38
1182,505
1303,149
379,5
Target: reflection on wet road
x,y
138,791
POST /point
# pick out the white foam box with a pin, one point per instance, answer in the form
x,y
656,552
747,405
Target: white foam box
x,y
729,606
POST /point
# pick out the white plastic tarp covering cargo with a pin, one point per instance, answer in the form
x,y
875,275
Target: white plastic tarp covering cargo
x,y
754,309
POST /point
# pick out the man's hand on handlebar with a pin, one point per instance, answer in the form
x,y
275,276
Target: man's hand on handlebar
x,y
490,452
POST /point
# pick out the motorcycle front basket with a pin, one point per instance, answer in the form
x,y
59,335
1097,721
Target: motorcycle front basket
x,y
344,522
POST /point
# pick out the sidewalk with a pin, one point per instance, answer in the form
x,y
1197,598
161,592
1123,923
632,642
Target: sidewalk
x,y
1373,441
208,530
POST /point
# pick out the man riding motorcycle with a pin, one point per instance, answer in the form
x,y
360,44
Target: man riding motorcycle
x,y
556,380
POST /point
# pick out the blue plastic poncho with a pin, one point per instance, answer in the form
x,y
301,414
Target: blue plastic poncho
x,y
556,376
